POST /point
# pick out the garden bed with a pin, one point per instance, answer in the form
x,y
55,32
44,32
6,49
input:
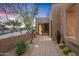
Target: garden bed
x,y
66,50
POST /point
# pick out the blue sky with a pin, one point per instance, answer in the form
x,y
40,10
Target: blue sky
x,y
44,9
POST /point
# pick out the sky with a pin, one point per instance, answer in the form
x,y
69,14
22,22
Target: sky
x,y
44,10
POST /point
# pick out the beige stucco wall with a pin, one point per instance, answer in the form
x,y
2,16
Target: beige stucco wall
x,y
50,22
55,18
71,23
68,20
62,20
65,17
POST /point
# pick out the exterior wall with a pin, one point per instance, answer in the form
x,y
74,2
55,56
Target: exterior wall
x,y
50,22
40,21
55,18
69,26
8,43
65,17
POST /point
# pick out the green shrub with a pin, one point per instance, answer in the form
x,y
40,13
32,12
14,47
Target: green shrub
x,y
71,54
66,50
62,45
21,47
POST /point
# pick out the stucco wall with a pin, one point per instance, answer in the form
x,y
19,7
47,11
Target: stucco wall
x,y
67,23
55,18
7,44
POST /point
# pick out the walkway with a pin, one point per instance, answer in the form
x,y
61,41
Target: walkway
x,y
44,46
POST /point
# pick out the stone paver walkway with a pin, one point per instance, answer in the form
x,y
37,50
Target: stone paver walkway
x,y
44,46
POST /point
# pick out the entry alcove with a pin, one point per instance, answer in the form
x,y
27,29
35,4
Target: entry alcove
x,y
71,22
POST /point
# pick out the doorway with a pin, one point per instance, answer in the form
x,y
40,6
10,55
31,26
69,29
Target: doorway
x,y
46,28
43,29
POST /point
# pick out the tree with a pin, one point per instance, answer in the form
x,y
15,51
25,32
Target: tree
x,y
34,12
21,9
27,15
4,9
15,24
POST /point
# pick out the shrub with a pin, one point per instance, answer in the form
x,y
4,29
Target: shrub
x,y
58,36
62,45
66,50
71,54
21,47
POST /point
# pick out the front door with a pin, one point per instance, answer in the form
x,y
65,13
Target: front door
x,y
40,29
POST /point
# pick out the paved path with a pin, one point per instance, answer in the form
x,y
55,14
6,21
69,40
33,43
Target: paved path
x,y
44,46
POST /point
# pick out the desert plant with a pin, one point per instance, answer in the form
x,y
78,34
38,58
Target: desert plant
x,y
62,45
71,54
21,46
66,50
58,36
